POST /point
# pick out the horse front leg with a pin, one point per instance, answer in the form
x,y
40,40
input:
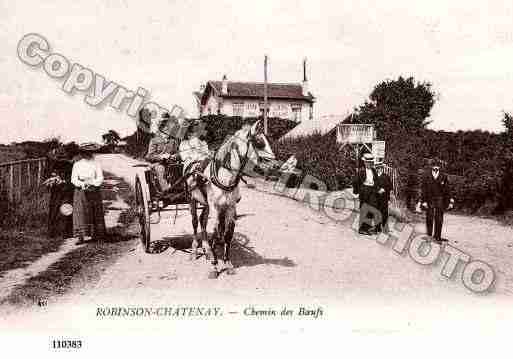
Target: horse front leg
x,y
229,229
204,235
193,205
219,230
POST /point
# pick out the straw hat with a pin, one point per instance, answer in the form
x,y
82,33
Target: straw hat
x,y
435,162
89,147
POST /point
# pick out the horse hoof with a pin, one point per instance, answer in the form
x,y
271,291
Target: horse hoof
x,y
230,271
213,275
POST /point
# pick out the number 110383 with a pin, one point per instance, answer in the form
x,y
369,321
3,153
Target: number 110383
x,y
66,344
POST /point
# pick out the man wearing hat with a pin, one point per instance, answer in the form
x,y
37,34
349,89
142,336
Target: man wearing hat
x,y
364,185
383,188
193,150
436,198
162,147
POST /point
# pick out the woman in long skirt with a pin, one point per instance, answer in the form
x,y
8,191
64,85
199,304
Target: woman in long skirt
x,y
88,216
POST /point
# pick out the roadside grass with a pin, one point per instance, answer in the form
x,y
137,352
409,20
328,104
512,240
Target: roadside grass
x,y
31,213
20,249
23,237
79,268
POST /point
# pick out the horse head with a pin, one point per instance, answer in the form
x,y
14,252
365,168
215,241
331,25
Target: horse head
x,y
258,144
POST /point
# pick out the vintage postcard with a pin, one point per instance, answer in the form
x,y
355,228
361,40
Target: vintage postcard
x,y
237,177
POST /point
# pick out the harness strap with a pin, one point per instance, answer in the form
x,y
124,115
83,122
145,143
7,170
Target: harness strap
x,y
189,172
214,169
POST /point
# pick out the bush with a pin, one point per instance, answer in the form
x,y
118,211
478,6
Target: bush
x,y
220,126
319,156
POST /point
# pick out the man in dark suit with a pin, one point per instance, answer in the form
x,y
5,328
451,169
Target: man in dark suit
x,y
383,189
436,198
364,185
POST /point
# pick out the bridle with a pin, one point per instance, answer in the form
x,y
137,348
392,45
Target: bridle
x,y
217,164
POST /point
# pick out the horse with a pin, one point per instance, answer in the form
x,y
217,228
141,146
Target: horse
x,y
222,175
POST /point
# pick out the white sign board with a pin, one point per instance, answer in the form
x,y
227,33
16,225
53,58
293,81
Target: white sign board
x,y
378,149
355,133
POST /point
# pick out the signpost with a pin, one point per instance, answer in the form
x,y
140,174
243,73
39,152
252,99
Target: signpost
x,y
359,134
378,149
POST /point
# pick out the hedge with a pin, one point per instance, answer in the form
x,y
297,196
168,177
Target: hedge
x,y
220,126
319,156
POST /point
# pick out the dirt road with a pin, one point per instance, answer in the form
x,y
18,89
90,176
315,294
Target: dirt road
x,y
287,254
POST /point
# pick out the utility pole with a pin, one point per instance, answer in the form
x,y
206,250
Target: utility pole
x,y
265,96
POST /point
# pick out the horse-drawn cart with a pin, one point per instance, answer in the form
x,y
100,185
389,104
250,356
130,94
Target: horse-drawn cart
x,y
149,201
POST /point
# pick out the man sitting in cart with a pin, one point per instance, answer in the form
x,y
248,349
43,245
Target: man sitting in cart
x,y
162,147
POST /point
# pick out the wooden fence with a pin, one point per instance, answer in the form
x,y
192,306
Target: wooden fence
x,y
19,176
394,177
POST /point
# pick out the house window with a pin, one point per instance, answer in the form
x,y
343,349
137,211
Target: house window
x,y
296,113
238,109
252,106
281,110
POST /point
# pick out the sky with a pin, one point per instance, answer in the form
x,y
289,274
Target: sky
x,y
170,48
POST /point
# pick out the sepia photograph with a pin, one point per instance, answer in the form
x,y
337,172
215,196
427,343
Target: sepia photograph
x,y
248,178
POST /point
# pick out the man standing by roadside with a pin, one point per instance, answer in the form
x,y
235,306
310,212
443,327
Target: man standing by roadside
x,y
383,188
364,185
436,198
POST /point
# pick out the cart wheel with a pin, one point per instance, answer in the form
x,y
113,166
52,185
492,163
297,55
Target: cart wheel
x,y
143,212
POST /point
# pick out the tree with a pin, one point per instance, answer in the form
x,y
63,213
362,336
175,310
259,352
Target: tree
x,y
396,105
506,166
507,122
111,138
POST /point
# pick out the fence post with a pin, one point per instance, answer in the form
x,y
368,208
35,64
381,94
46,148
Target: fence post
x,y
39,172
20,181
11,183
29,174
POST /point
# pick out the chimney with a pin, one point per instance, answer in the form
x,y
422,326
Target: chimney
x,y
305,81
224,89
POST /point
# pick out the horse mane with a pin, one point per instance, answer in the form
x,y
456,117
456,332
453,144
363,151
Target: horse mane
x,y
223,152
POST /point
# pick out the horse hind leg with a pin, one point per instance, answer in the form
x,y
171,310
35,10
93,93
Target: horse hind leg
x,y
194,214
229,229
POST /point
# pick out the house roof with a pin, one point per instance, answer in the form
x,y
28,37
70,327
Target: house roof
x,y
256,90
322,125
